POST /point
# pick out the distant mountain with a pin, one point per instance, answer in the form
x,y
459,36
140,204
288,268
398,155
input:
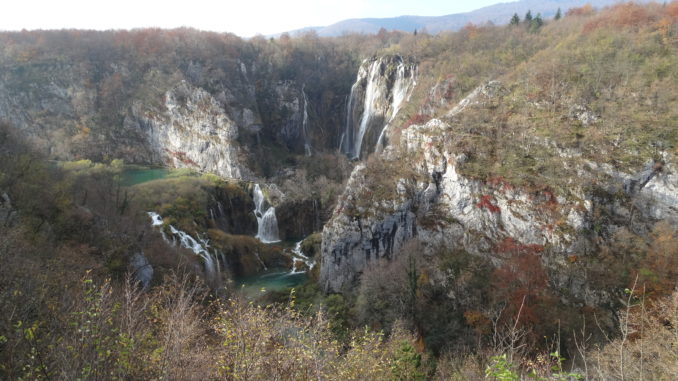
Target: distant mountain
x,y
498,14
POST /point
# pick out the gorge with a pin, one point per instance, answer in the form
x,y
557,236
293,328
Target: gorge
x,y
446,190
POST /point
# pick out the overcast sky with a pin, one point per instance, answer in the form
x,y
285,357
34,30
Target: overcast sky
x,y
243,17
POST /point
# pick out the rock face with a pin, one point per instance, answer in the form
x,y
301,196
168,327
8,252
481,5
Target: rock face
x,y
142,270
381,88
452,211
193,132
185,119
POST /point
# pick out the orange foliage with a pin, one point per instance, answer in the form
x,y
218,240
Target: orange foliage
x,y
522,281
671,10
581,11
471,30
632,15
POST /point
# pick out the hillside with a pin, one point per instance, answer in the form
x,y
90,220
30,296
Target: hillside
x,y
498,14
499,202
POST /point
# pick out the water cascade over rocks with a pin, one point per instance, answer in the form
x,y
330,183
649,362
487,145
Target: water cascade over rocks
x,y
199,247
307,145
382,85
267,231
299,257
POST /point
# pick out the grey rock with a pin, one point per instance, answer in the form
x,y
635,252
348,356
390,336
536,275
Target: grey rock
x,y
141,270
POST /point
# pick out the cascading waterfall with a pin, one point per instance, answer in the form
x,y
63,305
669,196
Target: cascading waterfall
x,y
346,142
299,257
386,87
199,247
307,145
401,91
267,231
372,92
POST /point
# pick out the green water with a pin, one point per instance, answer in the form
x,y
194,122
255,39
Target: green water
x,y
141,175
273,280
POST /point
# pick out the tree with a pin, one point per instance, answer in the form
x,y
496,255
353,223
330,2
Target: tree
x,y
528,17
558,15
515,20
536,23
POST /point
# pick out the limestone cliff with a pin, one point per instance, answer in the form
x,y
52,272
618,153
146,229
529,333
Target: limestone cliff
x,y
440,206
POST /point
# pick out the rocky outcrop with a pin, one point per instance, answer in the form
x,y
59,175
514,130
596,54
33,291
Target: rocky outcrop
x,y
193,132
184,118
298,218
141,270
382,86
450,210
7,212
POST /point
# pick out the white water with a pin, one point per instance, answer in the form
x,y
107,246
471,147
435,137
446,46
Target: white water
x,y
299,257
199,247
267,231
401,90
371,93
376,96
307,145
346,143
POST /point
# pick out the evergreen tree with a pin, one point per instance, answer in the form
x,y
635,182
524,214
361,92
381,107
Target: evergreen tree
x,y
528,17
536,23
558,15
515,20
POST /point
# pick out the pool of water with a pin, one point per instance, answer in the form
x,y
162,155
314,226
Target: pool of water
x,y
272,280
134,176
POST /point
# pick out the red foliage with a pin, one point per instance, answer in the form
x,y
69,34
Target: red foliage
x,y
417,119
486,202
510,246
522,284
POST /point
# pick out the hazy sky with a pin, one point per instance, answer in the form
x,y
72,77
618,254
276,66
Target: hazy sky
x,y
242,17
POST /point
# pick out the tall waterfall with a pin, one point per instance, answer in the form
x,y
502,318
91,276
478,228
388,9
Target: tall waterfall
x,y
304,126
199,247
382,85
267,231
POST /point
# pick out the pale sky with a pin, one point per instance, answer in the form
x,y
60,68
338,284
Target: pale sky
x,y
242,17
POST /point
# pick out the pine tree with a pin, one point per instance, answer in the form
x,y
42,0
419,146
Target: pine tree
x,y
558,15
515,20
528,17
536,23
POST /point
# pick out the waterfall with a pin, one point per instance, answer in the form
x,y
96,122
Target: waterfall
x,y
307,145
372,92
267,231
299,257
401,90
346,143
199,247
381,88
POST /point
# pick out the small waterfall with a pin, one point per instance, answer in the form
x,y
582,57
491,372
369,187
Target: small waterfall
x,y
307,145
199,247
299,257
267,231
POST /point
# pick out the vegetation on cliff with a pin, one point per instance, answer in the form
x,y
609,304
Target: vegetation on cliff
x,y
594,87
